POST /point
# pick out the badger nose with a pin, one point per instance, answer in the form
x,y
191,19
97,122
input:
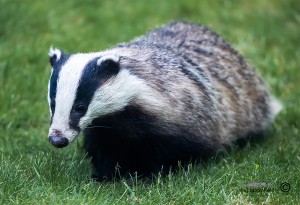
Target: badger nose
x,y
58,141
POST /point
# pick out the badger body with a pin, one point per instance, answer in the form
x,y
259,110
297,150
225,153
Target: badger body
x,y
178,93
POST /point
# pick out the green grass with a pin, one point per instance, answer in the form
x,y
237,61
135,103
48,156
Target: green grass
x,y
33,172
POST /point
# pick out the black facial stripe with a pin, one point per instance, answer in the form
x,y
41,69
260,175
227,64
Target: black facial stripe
x,y
93,76
74,121
54,79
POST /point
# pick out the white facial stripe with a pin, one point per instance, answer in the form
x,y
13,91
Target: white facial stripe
x,y
67,84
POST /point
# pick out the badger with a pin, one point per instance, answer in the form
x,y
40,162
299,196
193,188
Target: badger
x,y
180,93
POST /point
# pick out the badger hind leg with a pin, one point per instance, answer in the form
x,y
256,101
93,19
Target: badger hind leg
x,y
274,107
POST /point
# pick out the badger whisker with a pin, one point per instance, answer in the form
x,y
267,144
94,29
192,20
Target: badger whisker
x,y
98,126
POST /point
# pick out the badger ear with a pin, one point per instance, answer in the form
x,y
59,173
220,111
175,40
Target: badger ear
x,y
111,63
55,55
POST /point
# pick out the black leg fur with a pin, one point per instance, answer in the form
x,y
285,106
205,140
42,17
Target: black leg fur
x,y
142,156
119,141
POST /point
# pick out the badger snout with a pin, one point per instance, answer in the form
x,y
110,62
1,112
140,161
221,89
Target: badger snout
x,y
58,141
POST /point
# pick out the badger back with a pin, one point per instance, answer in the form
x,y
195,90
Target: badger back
x,y
241,99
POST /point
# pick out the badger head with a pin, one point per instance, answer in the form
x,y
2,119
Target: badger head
x,y
83,87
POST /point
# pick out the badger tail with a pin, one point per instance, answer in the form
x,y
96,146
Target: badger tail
x,y
276,107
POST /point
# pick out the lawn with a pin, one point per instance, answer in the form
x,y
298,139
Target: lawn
x,y
34,172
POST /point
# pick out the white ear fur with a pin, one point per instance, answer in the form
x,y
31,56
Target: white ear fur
x,y
108,57
54,52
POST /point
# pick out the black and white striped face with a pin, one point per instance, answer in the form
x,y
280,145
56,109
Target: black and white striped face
x,y
83,87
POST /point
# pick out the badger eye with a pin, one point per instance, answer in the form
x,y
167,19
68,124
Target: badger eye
x,y
80,108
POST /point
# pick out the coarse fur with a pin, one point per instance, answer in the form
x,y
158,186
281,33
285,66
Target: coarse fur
x,y
179,93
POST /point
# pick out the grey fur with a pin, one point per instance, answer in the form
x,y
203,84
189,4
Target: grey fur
x,y
210,89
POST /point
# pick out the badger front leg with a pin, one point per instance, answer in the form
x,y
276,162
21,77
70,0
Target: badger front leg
x,y
104,166
104,162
